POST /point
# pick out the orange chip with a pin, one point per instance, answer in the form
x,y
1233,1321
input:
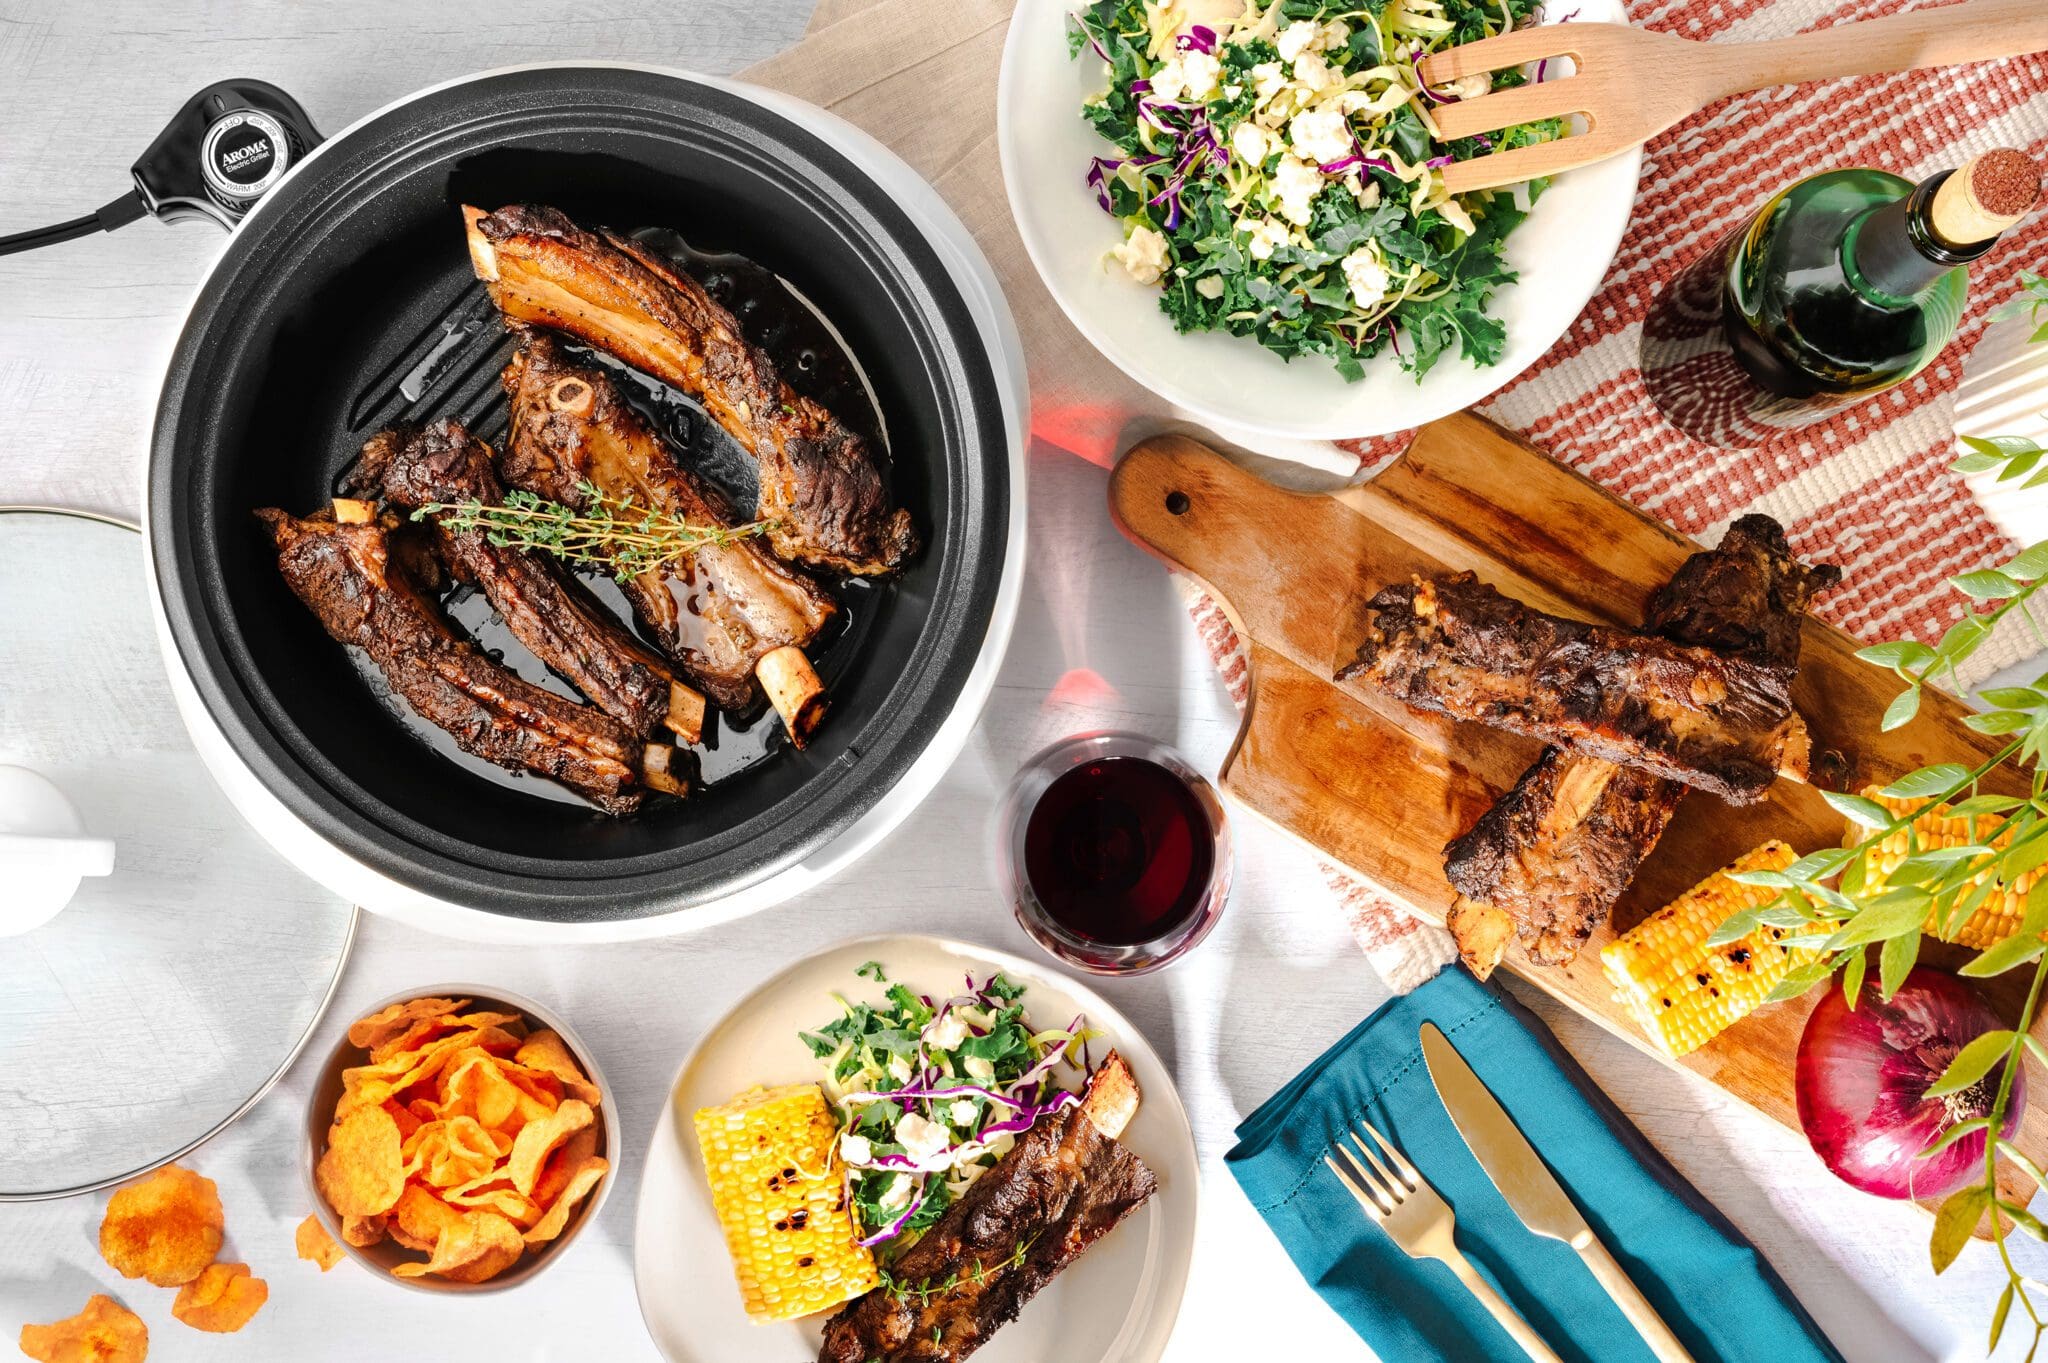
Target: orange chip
x,y
478,1247
475,1084
581,1181
554,1175
420,1033
493,1192
374,1030
537,1140
364,1231
362,1172
376,1082
221,1300
167,1228
419,1219
547,1052
453,1150
316,1244
104,1332
408,1121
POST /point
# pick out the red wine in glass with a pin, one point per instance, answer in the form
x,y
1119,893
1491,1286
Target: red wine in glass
x,y
1118,852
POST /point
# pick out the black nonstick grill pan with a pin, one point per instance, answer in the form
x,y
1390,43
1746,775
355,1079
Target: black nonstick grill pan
x,y
346,301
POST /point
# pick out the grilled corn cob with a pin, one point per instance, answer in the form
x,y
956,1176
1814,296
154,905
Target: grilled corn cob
x,y
1685,993
772,1157
1996,919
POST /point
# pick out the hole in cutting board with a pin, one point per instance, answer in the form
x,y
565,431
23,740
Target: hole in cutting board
x,y
1177,503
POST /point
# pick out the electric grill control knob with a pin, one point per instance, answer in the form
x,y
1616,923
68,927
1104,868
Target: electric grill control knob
x,y
226,149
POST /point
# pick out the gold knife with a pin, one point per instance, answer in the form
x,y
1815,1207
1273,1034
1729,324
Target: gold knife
x,y
1531,1189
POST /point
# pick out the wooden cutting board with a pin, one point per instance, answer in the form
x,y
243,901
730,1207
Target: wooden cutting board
x,y
1380,788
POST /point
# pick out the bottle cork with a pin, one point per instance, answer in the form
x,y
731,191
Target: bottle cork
x,y
1987,195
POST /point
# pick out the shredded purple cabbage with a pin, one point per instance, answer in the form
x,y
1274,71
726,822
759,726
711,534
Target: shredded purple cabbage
x,y
895,1228
957,1091
1198,38
1544,65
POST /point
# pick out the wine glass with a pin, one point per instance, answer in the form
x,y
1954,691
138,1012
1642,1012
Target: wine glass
x,y
1114,851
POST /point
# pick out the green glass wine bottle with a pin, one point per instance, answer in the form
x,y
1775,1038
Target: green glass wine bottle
x,y
1841,286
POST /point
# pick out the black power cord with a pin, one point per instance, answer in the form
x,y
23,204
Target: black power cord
x,y
221,153
119,213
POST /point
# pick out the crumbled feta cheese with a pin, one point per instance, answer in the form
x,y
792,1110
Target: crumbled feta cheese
x,y
920,1137
963,1112
1321,135
1367,277
1336,33
899,1068
1169,80
1469,87
1266,236
1201,72
1251,143
1312,72
1298,37
947,1032
855,1149
1210,286
898,1194
1296,184
1455,214
978,1068
1367,192
1268,80
1189,76
1144,255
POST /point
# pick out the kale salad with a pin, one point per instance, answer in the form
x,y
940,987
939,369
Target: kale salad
x,y
1277,174
931,1093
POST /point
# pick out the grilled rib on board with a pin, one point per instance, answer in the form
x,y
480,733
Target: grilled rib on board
x,y
1458,647
557,620
819,483
1548,861
1064,1185
347,576
718,614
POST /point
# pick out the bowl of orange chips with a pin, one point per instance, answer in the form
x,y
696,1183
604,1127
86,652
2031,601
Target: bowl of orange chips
x,y
458,1139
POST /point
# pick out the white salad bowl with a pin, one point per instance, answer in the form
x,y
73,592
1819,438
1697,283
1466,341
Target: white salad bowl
x,y
1561,253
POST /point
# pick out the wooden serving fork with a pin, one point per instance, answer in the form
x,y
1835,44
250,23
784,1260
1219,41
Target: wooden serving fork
x,y
1632,84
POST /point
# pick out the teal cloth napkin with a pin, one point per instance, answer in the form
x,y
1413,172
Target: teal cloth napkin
x,y
1712,1287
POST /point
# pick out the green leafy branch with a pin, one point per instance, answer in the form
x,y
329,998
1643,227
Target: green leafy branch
x,y
2031,303
1840,901
612,533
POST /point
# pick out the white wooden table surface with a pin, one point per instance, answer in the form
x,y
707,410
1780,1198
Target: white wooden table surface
x,y
84,327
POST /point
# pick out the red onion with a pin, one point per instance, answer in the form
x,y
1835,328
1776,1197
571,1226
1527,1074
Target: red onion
x,y
1863,1078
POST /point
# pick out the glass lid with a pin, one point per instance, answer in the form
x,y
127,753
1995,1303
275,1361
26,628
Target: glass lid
x,y
190,964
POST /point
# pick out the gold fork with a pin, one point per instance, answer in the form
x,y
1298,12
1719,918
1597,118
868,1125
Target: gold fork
x,y
1632,84
1417,1219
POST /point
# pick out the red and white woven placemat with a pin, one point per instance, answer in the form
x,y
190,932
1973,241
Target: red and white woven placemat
x,y
1870,489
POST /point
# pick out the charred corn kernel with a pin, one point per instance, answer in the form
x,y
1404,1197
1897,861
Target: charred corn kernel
x,y
1997,918
772,1158
1685,993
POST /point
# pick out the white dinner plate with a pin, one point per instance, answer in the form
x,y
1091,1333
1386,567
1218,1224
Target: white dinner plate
x,y
1561,253
1115,1304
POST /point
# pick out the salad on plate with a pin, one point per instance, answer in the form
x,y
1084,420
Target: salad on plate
x,y
931,1094
1276,171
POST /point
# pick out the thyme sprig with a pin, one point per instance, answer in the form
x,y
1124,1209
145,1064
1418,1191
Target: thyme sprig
x,y
924,1289
613,533
1840,903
